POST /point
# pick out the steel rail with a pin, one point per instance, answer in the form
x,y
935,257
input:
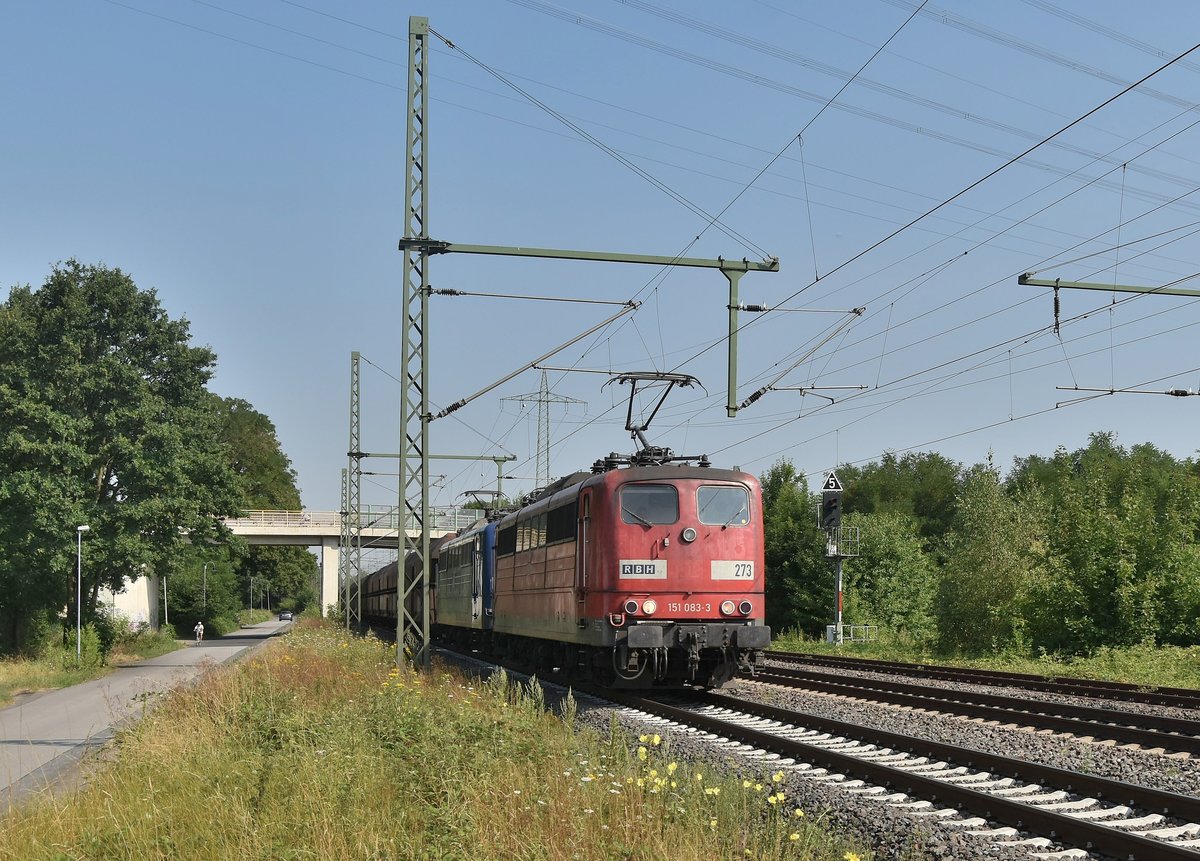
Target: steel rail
x,y
1089,835
1169,733
1091,688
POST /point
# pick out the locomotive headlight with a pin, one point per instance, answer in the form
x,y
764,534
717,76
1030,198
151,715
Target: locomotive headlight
x,y
745,608
727,608
631,607
688,535
649,606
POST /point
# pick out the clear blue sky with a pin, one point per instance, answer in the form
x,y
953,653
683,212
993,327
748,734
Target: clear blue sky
x,y
249,167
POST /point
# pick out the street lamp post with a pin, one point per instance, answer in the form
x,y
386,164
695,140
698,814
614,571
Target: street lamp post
x,y
79,530
204,600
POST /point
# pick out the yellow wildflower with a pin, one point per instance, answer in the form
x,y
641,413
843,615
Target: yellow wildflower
x,y
657,739
777,776
746,784
642,753
643,738
671,768
793,836
851,856
712,823
798,813
699,777
771,799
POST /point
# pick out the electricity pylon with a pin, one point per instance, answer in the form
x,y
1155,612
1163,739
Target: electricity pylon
x,y
544,398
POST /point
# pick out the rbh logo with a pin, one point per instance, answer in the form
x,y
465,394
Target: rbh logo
x,y
643,569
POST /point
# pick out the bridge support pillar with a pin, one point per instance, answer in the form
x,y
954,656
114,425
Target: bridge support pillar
x,y
329,573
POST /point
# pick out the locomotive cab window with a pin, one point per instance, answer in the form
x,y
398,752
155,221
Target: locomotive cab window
x,y
649,504
723,506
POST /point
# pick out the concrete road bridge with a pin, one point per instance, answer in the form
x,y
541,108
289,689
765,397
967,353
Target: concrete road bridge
x,y
379,526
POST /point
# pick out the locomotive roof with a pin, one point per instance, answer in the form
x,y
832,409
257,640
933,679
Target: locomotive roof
x,y
673,471
665,472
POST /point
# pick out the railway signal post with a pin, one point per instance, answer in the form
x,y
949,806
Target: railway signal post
x,y
840,543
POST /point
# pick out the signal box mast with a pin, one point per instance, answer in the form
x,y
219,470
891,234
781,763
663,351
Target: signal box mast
x,y
840,542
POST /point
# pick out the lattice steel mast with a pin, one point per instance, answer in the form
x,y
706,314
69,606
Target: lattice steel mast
x,y
344,542
412,624
352,524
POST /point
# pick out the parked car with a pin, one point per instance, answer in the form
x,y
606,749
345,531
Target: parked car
x,y
285,616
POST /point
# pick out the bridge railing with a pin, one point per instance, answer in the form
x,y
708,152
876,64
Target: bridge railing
x,y
370,517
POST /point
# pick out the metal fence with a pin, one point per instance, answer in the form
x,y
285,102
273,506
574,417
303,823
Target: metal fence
x,y
851,633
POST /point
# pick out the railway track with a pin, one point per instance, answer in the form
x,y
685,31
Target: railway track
x,y
892,783
1150,731
1116,691
1067,814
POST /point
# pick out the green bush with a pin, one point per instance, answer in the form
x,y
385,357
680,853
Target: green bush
x,y
220,626
90,652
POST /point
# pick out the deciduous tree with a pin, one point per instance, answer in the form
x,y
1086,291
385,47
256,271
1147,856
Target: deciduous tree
x,y
892,582
105,421
267,481
799,581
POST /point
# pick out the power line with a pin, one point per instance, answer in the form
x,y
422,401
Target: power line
x,y
254,45
612,153
757,44
978,182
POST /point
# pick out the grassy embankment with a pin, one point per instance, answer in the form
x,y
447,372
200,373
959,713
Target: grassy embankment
x,y
56,668
320,748
1147,665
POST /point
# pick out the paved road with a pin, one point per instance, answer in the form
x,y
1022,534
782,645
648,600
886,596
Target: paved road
x,y
44,736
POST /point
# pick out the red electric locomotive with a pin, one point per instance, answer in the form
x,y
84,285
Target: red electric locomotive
x,y
638,576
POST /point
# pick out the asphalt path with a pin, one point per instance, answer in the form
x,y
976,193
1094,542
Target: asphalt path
x,y
44,736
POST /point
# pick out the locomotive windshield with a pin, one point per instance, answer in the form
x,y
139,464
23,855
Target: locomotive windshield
x,y
723,506
649,504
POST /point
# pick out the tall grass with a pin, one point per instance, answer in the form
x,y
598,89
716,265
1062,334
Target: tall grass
x,y
27,675
322,749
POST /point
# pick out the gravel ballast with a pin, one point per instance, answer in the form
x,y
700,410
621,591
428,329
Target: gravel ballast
x,y
899,834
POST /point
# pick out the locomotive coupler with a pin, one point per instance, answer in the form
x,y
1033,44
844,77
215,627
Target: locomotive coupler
x,y
691,642
633,661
